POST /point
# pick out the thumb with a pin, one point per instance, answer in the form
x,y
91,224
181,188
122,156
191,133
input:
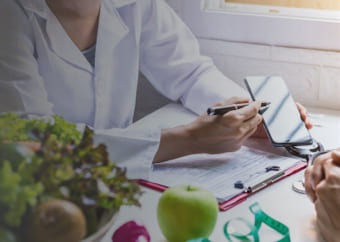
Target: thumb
x,y
336,156
308,184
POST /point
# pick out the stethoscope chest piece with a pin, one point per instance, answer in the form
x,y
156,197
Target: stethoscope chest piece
x,y
306,151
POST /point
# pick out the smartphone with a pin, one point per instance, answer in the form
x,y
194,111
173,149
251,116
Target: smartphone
x,y
282,120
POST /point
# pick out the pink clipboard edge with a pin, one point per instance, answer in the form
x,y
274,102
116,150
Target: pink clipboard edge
x,y
238,198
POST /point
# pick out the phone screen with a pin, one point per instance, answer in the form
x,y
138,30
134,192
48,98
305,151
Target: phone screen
x,y
282,119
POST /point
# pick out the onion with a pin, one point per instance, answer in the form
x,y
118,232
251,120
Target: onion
x,y
131,232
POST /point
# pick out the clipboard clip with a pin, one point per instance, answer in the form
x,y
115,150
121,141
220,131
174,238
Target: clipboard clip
x,y
257,186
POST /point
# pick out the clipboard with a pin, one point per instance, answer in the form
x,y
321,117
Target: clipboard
x,y
243,194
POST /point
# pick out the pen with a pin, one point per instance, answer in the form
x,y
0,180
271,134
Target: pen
x,y
225,109
264,183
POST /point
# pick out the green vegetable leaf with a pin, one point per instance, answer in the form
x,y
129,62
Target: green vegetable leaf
x,y
66,166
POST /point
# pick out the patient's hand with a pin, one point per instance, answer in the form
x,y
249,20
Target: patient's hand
x,y
322,182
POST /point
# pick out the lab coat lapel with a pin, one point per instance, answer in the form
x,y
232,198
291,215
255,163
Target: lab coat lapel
x,y
111,31
121,3
62,45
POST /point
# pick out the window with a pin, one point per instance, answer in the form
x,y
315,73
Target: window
x,y
280,23
319,10
312,4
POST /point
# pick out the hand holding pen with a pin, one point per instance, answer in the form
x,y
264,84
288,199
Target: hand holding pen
x,y
225,109
211,135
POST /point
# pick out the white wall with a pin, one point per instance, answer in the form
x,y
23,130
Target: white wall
x,y
313,76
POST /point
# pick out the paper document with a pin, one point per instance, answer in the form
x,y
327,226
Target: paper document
x,y
218,173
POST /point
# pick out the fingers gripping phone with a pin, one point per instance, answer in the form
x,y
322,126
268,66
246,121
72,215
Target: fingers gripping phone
x,y
282,119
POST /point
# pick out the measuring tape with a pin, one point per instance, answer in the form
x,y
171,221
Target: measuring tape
x,y
260,217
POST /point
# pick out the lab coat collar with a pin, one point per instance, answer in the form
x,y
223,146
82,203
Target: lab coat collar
x,y
63,46
122,3
111,25
40,7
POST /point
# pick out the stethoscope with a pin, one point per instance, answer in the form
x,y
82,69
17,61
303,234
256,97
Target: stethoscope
x,y
306,151
309,154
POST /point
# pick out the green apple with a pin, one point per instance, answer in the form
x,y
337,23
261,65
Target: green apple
x,y
187,212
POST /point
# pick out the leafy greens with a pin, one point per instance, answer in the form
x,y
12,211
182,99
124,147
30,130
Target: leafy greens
x,y
66,165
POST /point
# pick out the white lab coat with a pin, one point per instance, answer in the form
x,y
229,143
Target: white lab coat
x,y
43,72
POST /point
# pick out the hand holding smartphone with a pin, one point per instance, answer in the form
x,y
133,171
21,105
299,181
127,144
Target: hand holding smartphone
x,y
282,120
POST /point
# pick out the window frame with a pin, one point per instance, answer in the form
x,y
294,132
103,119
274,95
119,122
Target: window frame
x,y
301,4
302,28
274,11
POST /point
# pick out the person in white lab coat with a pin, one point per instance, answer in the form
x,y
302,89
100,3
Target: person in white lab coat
x,y
81,59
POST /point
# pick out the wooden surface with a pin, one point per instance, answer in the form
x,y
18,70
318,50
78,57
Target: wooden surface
x,y
315,4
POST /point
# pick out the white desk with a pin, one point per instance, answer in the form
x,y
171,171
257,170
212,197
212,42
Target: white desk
x,y
278,200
